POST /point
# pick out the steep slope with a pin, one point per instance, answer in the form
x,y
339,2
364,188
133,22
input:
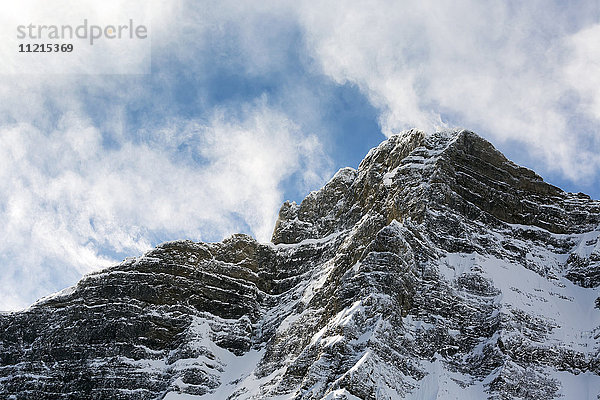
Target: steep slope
x,y
438,269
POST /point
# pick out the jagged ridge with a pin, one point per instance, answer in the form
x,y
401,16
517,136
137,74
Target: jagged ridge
x,y
438,268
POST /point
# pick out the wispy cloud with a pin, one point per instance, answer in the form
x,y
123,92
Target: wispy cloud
x,y
498,68
68,202
582,69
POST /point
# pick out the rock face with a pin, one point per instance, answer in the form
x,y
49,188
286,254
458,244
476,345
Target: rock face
x,y
437,270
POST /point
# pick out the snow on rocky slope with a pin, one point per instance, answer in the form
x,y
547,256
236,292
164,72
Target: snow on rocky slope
x,y
437,270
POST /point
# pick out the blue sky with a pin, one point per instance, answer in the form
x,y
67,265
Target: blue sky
x,y
248,105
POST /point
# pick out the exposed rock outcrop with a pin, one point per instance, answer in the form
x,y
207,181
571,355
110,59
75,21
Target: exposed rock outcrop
x,y
438,269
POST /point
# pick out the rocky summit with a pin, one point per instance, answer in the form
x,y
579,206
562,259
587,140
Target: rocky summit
x,y
438,269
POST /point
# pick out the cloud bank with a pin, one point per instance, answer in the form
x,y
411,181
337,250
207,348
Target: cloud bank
x,y
70,203
525,72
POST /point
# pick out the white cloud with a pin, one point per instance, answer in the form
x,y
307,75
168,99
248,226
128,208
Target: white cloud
x,y
66,201
582,70
70,203
492,67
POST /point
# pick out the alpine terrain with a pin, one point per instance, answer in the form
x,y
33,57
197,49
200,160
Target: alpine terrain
x,y
437,270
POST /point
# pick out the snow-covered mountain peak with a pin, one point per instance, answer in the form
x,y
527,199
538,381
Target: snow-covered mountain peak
x,y
436,270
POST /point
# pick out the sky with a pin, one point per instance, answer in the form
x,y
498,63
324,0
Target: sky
x,y
229,108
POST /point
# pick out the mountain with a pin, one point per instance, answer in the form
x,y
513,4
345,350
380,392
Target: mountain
x,y
437,270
